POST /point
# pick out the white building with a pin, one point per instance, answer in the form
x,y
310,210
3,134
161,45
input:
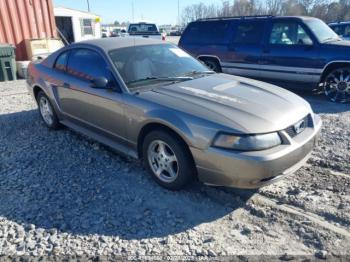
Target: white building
x,y
77,25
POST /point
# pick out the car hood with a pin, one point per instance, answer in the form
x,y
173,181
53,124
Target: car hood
x,y
242,104
340,43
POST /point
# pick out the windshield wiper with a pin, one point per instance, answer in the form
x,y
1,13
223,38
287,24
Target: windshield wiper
x,y
194,72
171,79
329,39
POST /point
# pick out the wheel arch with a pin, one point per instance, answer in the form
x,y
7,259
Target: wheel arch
x,y
331,66
210,57
152,126
36,90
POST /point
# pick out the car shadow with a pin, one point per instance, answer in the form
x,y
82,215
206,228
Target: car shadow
x,y
320,104
65,181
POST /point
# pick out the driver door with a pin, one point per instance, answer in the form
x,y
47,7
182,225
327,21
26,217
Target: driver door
x,y
94,108
289,54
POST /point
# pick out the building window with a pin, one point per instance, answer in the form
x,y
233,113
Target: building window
x,y
86,27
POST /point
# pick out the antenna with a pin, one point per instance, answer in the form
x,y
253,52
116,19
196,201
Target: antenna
x,y
88,5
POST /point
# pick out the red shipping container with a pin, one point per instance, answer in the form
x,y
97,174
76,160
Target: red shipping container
x,y
26,19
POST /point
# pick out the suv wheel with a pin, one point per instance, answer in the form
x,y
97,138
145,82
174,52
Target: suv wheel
x,y
168,160
337,85
212,65
47,112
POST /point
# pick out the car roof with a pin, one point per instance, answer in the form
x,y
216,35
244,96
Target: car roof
x,y
257,17
112,43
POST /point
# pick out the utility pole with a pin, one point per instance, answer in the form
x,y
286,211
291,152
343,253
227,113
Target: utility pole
x,y
88,5
133,12
178,12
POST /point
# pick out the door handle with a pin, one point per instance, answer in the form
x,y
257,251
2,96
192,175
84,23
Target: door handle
x,y
66,85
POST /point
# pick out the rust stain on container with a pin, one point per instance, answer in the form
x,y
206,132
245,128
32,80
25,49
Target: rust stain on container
x,y
26,19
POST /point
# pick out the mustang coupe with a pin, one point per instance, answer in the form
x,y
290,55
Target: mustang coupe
x,y
150,100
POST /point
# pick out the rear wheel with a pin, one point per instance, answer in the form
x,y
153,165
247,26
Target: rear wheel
x,y
212,64
337,85
168,160
47,112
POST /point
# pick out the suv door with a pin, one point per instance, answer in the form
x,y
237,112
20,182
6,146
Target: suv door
x,y
245,48
93,108
289,53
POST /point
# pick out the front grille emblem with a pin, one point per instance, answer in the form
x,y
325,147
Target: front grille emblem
x,y
300,126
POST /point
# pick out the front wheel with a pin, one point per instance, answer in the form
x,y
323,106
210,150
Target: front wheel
x,y
47,112
337,85
168,160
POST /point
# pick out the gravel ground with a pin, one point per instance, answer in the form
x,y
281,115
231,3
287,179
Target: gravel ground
x,y
63,194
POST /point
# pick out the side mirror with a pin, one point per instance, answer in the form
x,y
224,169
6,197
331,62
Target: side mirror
x,y
99,82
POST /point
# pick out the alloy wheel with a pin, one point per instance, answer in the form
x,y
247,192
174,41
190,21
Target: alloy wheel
x,y
46,110
163,161
337,85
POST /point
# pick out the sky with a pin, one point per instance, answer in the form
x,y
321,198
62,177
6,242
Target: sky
x,y
158,11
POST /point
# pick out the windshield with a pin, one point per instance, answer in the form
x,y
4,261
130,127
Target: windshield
x,y
154,62
322,31
138,28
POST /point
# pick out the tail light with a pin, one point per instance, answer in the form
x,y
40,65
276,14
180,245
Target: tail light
x,y
163,37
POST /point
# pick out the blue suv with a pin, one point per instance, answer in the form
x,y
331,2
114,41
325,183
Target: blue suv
x,y
342,29
294,52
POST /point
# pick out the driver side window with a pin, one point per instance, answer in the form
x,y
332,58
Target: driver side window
x,y
87,65
289,33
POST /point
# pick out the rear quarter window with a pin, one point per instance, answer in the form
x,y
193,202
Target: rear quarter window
x,y
207,33
61,62
249,32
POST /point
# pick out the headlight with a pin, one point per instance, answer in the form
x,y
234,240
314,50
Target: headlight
x,y
247,142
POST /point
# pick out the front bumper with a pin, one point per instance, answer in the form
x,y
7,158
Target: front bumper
x,y
256,169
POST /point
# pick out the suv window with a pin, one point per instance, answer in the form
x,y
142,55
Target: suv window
x,y
87,64
289,33
212,32
249,32
342,30
61,62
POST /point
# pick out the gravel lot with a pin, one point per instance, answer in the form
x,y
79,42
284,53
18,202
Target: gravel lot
x,y
63,194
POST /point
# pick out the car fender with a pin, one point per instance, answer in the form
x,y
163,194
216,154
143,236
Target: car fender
x,y
49,92
172,120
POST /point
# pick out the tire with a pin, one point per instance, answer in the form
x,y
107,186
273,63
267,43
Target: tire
x,y
47,111
212,65
336,85
162,152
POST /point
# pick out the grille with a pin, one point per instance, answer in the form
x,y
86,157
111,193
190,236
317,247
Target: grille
x,y
291,130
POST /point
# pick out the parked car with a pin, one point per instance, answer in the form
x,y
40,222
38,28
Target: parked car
x,y
294,52
342,29
148,99
175,33
116,32
104,33
145,30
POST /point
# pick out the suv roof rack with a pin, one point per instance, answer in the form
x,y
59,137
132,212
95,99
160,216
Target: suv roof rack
x,y
234,17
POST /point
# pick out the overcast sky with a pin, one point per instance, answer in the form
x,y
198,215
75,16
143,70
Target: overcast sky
x,y
159,11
